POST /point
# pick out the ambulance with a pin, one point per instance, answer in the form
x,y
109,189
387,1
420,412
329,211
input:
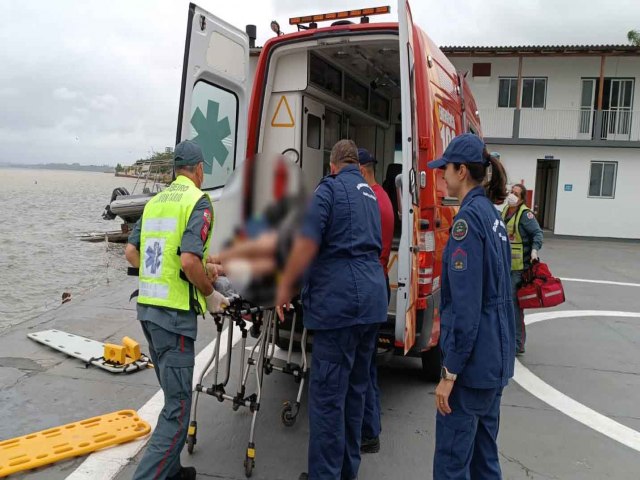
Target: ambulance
x,y
386,86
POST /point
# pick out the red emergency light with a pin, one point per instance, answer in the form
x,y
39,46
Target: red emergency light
x,y
322,17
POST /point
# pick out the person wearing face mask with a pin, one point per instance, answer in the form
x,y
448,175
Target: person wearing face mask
x,y
525,236
169,246
477,338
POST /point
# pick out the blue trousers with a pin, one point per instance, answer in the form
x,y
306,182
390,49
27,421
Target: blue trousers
x,y
518,314
340,373
466,439
173,359
372,421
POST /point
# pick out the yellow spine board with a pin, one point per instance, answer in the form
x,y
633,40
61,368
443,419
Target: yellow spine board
x,y
71,440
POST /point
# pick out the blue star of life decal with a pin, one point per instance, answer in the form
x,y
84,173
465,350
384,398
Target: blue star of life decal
x,y
153,258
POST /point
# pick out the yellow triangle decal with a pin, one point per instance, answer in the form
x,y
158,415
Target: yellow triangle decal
x,y
280,119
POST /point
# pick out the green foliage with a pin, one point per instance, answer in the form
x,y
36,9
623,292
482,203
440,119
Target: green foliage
x,y
634,37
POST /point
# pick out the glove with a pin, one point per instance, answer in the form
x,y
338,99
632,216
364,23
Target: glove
x,y
534,255
216,302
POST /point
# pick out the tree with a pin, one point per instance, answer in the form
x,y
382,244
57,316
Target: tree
x,y
634,37
119,168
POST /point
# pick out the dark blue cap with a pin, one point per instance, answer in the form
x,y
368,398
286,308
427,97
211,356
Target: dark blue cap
x,y
465,148
364,157
186,153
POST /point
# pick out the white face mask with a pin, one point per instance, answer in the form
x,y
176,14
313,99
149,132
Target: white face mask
x,y
512,199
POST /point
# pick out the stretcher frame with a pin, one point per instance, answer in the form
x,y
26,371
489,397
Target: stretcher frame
x,y
260,360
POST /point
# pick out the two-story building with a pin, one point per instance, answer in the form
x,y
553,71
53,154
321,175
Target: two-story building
x,y
566,122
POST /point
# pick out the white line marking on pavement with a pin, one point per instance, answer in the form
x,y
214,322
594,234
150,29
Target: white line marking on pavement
x,y
604,282
108,463
579,412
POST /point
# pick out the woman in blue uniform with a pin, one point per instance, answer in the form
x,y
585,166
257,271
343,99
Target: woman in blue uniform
x,y
477,335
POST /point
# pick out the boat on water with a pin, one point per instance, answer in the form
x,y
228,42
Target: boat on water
x,y
152,178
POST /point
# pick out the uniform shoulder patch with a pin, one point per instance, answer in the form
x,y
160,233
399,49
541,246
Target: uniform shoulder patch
x,y
459,260
530,215
459,230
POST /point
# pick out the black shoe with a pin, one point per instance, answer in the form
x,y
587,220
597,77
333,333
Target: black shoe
x,y
303,476
370,445
185,473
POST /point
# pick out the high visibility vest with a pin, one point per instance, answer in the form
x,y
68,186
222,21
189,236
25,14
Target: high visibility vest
x,y
517,247
161,280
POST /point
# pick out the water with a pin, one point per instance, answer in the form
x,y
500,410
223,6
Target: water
x,y
40,254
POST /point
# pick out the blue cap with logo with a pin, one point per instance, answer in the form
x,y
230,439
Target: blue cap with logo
x,y
465,148
364,157
187,153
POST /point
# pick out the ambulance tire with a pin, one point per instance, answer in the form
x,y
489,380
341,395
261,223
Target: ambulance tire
x,y
431,364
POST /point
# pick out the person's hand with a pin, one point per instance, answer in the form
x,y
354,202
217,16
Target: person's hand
x,y
212,272
283,299
214,259
216,302
534,255
443,390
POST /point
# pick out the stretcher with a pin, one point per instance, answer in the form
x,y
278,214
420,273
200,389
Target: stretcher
x,y
260,322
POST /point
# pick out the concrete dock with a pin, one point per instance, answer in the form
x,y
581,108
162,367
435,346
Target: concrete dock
x,y
591,357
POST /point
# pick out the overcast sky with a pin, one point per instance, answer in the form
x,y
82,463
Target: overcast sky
x,y
99,81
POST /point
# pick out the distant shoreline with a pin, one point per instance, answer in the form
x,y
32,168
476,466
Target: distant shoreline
x,y
63,166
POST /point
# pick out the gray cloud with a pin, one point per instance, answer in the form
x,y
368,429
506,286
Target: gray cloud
x,y
98,82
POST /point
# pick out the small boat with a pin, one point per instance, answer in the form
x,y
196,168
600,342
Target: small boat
x,y
129,206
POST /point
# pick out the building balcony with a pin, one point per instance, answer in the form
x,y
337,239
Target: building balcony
x,y
571,127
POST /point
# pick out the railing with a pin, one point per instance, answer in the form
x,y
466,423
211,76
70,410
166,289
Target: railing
x,y
583,124
497,122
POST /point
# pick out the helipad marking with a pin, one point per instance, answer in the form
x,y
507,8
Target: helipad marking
x,y
570,407
605,282
107,464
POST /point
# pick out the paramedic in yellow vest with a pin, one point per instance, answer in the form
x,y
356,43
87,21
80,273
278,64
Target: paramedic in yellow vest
x,y
525,236
168,245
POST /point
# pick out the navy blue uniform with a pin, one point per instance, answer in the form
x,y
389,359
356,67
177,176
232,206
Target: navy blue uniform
x,y
477,339
344,301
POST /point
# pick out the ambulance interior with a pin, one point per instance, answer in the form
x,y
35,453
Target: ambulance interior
x,y
321,91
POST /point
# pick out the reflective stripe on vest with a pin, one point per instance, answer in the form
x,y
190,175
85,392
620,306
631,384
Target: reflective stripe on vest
x,y
164,221
517,247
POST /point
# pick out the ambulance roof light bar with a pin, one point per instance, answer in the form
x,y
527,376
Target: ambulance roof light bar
x,y
343,15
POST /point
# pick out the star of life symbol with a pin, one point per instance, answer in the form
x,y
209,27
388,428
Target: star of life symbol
x,y
153,258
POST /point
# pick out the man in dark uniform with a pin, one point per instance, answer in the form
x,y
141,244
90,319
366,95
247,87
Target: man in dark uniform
x,y
168,244
371,424
344,301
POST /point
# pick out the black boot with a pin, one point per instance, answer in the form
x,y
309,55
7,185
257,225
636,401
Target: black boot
x,y
185,473
303,476
370,445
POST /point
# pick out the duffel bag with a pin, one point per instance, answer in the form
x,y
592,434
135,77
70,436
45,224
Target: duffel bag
x,y
540,289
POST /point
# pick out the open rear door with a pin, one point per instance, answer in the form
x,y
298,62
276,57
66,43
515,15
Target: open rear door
x,y
408,252
214,94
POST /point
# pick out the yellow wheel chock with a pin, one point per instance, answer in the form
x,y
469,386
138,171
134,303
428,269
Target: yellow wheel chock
x,y
71,440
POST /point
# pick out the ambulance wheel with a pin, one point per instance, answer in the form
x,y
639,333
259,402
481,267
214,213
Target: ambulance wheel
x,y
431,364
287,416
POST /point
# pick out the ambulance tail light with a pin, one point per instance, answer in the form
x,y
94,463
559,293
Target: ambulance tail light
x,y
425,273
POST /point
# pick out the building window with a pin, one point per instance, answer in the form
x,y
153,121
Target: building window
x,y
602,180
534,92
507,92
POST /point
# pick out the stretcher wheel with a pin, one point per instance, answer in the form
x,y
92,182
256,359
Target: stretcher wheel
x,y
191,436
191,443
287,416
248,467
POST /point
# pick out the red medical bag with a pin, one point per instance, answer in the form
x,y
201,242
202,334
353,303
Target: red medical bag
x,y
540,289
